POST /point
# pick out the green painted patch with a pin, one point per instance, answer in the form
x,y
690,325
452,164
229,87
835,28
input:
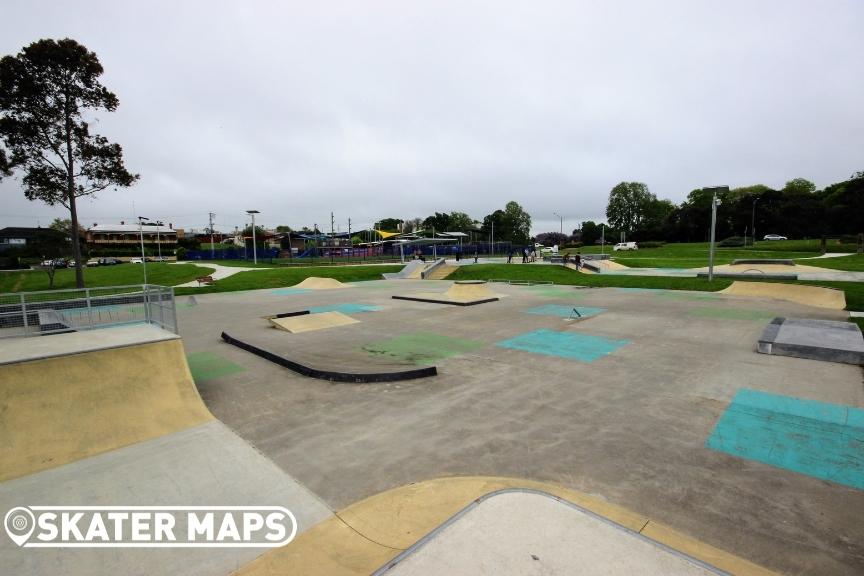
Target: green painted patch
x,y
733,314
209,366
422,348
678,295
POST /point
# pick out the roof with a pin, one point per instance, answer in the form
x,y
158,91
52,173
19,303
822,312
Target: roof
x,y
15,232
130,228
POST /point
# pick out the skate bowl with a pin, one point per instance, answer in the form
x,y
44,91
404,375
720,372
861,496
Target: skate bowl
x,y
317,283
801,294
461,293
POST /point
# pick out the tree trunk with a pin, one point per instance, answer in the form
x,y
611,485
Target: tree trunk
x,y
73,210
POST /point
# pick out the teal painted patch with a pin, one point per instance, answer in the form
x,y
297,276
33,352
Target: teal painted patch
x,y
206,366
581,347
346,308
564,311
288,291
649,290
813,438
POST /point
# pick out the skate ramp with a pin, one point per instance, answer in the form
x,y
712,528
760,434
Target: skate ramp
x,y
311,322
81,398
316,283
112,418
461,293
412,271
801,294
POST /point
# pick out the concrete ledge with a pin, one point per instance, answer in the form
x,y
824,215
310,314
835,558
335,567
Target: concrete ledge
x,y
442,300
780,261
826,340
356,378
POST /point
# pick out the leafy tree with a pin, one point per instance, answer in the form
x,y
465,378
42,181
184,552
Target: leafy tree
x,y
50,245
390,224
628,203
799,186
460,222
412,225
552,238
590,232
656,220
44,93
5,165
440,222
512,224
283,229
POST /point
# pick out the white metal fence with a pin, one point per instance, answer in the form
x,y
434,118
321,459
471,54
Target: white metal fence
x,y
52,311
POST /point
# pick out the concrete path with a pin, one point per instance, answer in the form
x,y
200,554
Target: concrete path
x,y
219,272
533,533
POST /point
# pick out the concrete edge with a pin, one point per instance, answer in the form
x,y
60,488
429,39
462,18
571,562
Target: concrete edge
x,y
368,535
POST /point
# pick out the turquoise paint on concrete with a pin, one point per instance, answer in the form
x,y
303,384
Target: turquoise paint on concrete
x,y
813,438
346,308
288,291
574,346
564,311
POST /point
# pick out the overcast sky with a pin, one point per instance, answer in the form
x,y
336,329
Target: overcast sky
x,y
377,109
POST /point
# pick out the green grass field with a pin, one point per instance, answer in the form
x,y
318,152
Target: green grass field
x,y
695,255
282,277
123,274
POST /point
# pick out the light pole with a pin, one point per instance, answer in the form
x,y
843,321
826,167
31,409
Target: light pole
x,y
254,246
158,243
562,221
143,258
715,202
753,223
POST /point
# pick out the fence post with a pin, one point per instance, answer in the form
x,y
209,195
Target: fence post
x,y
146,297
174,309
24,312
89,307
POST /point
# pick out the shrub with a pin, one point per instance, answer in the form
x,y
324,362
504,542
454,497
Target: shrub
x,y
732,242
181,253
651,244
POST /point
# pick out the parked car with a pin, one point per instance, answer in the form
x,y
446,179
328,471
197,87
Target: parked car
x,y
159,259
56,263
92,263
625,246
109,261
774,237
136,261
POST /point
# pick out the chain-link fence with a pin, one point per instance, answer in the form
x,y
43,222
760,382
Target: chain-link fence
x,y
52,311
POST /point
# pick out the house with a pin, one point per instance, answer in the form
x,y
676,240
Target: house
x,y
128,235
17,237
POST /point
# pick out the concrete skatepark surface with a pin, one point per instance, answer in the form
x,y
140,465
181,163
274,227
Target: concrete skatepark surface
x,y
622,434
629,426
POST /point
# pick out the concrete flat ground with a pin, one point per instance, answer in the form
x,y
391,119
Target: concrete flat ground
x,y
623,411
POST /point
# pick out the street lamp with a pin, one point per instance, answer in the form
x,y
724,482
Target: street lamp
x,y
562,221
158,243
254,247
143,258
715,202
753,223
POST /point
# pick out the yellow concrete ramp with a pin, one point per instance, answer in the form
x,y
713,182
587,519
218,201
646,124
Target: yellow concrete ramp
x,y
59,409
311,322
441,272
469,291
316,283
802,294
368,534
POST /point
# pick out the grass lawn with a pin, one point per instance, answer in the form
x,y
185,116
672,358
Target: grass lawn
x,y
559,275
160,273
854,263
695,255
282,277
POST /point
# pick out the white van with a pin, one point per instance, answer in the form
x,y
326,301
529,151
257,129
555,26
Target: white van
x,y
626,246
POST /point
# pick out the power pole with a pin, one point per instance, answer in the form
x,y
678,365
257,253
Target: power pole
x,y
212,245
332,235
350,241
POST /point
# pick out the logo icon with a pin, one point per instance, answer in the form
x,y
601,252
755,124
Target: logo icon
x,y
19,523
